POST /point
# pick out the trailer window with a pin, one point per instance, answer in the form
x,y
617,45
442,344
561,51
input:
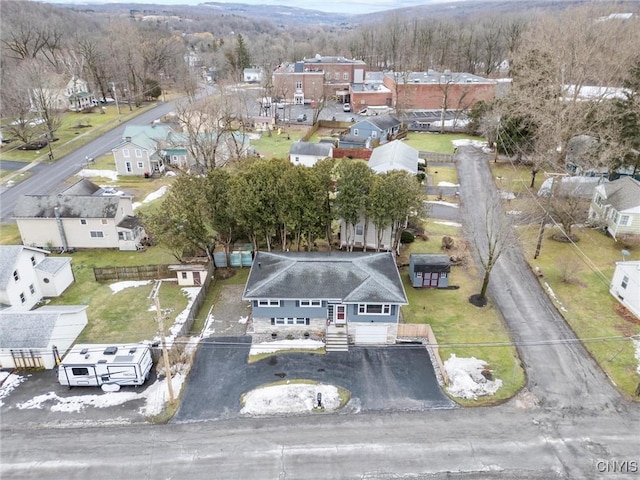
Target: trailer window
x,y
79,371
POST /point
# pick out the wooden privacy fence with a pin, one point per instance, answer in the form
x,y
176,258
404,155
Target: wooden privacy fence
x,y
424,331
436,157
139,272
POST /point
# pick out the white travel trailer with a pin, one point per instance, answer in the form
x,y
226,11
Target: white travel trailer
x,y
98,364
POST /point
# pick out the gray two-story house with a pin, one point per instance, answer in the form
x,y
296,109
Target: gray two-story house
x,y
355,294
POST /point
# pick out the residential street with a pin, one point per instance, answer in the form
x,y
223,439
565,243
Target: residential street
x,y
46,176
568,423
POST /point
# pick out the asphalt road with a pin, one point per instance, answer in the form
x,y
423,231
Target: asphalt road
x,y
397,379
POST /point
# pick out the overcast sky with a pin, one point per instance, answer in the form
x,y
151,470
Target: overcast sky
x,y
332,6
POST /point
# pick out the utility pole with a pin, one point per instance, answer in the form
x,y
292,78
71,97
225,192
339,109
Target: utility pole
x,y
115,97
165,353
546,214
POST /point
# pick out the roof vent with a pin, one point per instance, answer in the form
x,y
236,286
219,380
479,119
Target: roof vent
x,y
84,351
132,350
110,351
102,360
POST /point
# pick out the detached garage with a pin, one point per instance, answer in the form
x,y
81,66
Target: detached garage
x,y
39,338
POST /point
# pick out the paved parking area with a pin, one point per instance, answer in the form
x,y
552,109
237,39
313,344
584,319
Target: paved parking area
x,y
393,378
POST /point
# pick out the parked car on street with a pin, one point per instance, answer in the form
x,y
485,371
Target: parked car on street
x,y
302,117
346,107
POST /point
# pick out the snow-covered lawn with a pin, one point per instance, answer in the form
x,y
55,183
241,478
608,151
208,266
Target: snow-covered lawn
x,y
448,184
466,379
637,345
300,344
290,398
465,142
119,286
152,196
87,173
447,204
449,224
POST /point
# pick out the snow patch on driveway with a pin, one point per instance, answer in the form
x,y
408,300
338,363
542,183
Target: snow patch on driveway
x,y
10,382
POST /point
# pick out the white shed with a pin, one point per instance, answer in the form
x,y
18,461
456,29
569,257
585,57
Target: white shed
x,y
625,285
37,339
191,274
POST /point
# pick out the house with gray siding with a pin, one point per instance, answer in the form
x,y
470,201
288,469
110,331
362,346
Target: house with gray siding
x,y
355,296
616,205
429,270
382,128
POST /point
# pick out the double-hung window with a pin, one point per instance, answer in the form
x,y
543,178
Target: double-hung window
x,y
374,309
310,303
268,303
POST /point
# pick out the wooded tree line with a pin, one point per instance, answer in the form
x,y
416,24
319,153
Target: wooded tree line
x,y
275,204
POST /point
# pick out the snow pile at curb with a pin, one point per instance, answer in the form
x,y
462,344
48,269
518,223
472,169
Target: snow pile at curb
x,y
636,343
292,398
10,383
88,173
466,379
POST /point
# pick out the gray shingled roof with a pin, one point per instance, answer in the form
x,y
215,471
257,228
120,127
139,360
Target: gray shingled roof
x,y
383,122
129,222
352,277
623,193
8,257
82,187
394,155
26,329
53,265
32,329
309,148
70,206
430,262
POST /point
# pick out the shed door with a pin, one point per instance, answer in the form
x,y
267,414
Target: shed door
x,y
430,279
367,334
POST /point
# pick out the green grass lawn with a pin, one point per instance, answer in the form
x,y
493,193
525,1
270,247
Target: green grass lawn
x,y
278,146
514,178
460,327
442,174
435,142
579,276
9,234
123,316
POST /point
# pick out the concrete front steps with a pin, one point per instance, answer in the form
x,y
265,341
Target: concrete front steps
x,y
336,339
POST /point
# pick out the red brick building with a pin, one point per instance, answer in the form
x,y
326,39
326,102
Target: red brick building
x,y
431,90
310,79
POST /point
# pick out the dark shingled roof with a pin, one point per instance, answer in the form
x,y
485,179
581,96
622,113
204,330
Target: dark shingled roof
x,y
129,222
430,262
383,122
70,206
352,277
82,187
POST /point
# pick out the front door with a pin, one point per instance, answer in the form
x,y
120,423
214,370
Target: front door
x,y
340,314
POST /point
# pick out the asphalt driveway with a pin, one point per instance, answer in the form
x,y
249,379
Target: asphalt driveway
x,y
395,378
